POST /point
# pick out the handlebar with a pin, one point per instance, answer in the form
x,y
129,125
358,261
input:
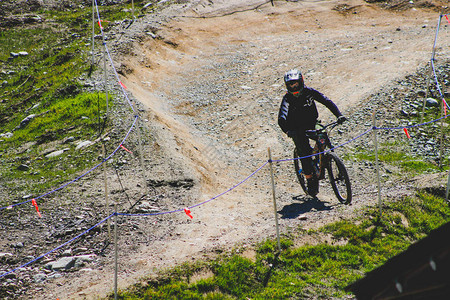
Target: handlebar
x,y
312,134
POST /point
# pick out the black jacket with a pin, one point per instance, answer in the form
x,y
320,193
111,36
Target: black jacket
x,y
301,113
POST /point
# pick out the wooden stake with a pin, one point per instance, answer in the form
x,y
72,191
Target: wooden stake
x,y
106,190
116,251
274,201
376,160
447,194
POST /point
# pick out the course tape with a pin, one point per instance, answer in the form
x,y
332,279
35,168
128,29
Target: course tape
x,y
122,86
201,203
360,135
79,177
437,84
432,63
187,209
60,246
328,150
410,126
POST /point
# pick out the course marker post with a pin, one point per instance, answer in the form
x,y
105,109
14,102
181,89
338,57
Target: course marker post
x,y
433,52
376,161
442,139
116,251
93,33
274,200
447,194
106,189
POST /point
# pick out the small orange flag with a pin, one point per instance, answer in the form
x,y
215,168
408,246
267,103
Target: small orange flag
x,y
36,206
188,212
407,133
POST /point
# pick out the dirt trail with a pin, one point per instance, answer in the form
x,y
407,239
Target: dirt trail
x,y
212,87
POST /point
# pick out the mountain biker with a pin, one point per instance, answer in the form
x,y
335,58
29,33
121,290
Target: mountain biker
x,y
298,113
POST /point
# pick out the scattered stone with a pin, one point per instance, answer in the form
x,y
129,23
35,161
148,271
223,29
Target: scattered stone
x,y
146,207
6,135
25,121
81,260
68,140
431,102
64,263
18,245
5,255
23,167
40,277
83,144
57,153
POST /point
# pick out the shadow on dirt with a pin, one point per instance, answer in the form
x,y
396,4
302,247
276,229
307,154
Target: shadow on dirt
x,y
307,204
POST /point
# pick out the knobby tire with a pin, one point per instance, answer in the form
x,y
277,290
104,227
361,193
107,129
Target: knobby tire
x,y
339,180
298,170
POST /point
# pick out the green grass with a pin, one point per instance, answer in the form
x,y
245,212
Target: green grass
x,y
398,153
321,271
50,83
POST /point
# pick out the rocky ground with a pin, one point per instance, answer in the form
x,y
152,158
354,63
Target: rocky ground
x,y
207,78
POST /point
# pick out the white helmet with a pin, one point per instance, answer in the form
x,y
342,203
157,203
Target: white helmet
x,y
294,76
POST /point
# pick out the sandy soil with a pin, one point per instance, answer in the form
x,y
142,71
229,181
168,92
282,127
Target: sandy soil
x,y
211,84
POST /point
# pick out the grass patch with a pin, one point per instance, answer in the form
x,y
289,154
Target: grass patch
x,y
319,271
397,154
47,97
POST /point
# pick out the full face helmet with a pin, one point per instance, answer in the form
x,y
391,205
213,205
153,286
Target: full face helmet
x,y
294,82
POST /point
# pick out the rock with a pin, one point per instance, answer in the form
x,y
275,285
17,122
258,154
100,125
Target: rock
x,y
23,167
5,255
54,276
146,207
70,139
83,144
431,102
23,53
18,245
81,260
55,153
39,277
151,34
25,121
64,263
6,135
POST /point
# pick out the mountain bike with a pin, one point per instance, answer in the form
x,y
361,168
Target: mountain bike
x,y
323,159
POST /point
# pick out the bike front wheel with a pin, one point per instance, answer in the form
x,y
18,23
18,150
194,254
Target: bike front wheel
x,y
340,182
298,170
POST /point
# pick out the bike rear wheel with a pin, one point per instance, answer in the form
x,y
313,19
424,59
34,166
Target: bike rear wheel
x,y
298,170
340,182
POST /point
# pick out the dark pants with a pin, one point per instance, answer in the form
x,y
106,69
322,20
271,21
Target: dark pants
x,y
301,142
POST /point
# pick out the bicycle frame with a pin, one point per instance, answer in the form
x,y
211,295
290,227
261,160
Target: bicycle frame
x,y
337,173
322,142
